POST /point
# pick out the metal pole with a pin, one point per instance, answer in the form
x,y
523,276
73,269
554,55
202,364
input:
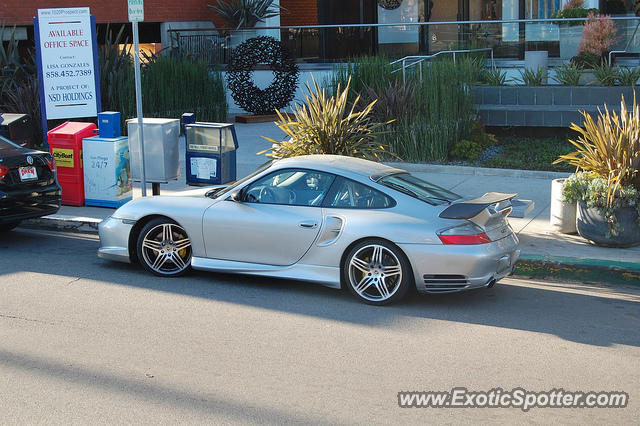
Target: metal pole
x,y
136,59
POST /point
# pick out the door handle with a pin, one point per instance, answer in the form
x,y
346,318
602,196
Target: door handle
x,y
309,225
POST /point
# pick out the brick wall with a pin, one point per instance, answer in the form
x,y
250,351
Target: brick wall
x,y
299,12
21,12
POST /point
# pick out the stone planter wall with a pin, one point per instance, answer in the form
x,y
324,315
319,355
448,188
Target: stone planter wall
x,y
545,106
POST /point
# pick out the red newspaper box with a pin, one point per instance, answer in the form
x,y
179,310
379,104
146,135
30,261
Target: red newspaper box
x,y
65,144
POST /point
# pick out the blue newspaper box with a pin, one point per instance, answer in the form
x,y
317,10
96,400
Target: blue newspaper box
x,y
211,153
109,124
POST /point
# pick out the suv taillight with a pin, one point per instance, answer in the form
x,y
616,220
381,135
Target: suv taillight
x,y
465,234
3,171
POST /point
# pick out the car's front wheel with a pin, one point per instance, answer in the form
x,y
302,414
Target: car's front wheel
x,y
377,272
164,248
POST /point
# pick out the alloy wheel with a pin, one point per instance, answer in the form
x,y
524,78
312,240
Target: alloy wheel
x,y
166,249
375,273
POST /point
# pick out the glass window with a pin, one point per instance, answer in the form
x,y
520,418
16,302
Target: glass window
x,y
7,144
418,188
292,187
351,194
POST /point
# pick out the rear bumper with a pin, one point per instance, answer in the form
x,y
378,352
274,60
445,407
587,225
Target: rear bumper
x,y
29,203
451,268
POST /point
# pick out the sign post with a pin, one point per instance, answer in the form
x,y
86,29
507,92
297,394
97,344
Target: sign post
x,y
136,14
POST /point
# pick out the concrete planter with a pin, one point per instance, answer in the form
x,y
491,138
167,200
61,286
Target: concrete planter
x,y
592,227
545,106
563,215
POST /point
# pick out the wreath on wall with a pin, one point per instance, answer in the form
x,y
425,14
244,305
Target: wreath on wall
x,y
244,58
389,4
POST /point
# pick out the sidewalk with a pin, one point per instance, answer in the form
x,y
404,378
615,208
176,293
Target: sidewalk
x,y
543,252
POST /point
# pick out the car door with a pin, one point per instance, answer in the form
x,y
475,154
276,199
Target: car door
x,y
275,221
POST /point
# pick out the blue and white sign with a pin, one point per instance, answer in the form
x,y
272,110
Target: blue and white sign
x,y
67,63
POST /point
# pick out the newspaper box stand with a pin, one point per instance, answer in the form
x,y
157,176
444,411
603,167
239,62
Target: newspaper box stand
x,y
107,174
211,153
65,144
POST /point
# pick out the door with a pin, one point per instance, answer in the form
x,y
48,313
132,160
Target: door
x,y
275,221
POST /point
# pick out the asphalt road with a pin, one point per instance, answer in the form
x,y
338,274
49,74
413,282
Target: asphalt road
x,y
85,341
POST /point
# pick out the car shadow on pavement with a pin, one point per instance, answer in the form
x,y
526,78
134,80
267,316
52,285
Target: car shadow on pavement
x,y
593,315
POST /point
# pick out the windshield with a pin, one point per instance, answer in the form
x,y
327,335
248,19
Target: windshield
x,y
227,190
418,188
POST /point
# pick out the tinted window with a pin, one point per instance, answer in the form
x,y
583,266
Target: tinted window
x,y
7,144
292,186
347,193
418,188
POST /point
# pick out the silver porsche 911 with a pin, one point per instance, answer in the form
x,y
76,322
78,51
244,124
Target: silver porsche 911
x,y
338,221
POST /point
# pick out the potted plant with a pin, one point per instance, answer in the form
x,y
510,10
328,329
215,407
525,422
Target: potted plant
x,y
243,15
607,183
571,31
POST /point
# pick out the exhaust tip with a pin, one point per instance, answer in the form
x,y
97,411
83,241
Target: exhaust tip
x,y
491,283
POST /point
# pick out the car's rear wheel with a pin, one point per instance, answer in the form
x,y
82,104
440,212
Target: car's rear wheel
x,y
164,248
9,226
377,272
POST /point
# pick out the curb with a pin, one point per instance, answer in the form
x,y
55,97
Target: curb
x,y
479,171
62,222
585,270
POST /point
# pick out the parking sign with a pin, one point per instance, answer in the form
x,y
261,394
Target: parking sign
x,y
136,10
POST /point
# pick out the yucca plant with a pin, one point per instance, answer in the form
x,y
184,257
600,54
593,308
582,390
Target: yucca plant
x,y
606,74
628,76
245,13
531,77
495,77
568,74
326,124
608,148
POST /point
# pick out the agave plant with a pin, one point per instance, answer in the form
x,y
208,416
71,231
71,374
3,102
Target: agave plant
x,y
326,124
495,77
245,13
606,74
531,77
608,148
628,76
568,74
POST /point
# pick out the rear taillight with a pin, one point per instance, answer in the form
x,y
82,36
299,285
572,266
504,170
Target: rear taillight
x,y
51,162
3,171
466,234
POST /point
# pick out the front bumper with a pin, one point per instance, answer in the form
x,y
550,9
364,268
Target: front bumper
x,y
114,239
451,268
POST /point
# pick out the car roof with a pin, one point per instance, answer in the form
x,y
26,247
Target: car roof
x,y
338,164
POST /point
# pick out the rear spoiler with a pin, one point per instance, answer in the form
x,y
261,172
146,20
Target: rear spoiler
x,y
470,208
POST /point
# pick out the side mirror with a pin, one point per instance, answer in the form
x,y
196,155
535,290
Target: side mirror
x,y
236,195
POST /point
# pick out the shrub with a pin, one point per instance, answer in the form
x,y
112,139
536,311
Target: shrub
x,y
466,150
586,60
392,100
608,148
327,125
598,36
567,74
494,77
174,85
531,77
628,76
607,75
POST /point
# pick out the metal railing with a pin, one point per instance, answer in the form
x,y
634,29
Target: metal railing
x,y
418,60
626,47
509,38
